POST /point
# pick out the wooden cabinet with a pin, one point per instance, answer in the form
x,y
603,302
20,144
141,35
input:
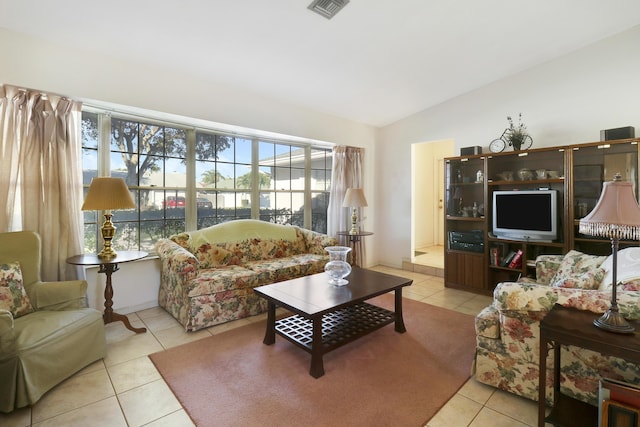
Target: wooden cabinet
x,y
593,164
465,222
473,256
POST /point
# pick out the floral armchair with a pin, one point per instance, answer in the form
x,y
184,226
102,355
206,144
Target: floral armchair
x,y
508,332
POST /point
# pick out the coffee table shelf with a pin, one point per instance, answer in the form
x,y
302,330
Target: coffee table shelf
x,y
338,327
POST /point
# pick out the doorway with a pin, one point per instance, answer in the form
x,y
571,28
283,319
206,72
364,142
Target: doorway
x,y
427,207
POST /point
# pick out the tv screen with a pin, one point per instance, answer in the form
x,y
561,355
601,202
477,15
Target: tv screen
x,y
525,215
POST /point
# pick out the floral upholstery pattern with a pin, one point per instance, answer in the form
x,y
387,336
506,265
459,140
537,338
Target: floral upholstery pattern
x,y
578,270
13,296
203,284
508,337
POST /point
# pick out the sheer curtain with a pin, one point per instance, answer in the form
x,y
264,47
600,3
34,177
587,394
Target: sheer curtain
x,y
41,174
347,173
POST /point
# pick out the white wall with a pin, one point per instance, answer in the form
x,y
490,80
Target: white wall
x,y
565,101
37,64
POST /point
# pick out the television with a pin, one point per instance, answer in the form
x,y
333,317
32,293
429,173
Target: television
x,y
530,215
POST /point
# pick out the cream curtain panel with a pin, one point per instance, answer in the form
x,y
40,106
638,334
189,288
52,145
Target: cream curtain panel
x,y
347,173
41,174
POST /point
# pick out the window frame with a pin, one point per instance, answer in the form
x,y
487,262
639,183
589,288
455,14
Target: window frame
x,y
192,190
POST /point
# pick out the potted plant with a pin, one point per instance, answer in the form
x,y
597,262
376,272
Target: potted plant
x,y
517,134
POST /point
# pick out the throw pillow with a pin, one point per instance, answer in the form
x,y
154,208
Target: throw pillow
x,y
579,270
628,267
13,297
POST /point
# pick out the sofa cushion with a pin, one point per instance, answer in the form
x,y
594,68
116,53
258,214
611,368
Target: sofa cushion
x,y
277,270
579,270
13,296
213,280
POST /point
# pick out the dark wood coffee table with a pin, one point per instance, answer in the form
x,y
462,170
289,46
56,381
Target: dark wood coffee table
x,y
327,317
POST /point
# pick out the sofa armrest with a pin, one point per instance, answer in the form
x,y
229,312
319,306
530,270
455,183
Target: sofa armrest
x,y
316,242
63,295
175,259
7,341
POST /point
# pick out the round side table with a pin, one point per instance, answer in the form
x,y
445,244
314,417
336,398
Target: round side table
x,y
355,241
108,267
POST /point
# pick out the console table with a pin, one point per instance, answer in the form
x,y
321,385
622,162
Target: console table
x,y
569,326
108,267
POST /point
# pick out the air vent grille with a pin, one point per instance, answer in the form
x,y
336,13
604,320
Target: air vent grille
x,y
328,8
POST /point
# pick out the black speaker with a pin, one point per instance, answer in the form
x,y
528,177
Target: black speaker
x,y
617,133
469,151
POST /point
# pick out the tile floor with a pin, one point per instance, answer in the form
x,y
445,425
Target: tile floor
x,y
125,389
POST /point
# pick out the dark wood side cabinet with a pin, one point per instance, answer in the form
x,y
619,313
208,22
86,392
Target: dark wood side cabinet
x,y
569,326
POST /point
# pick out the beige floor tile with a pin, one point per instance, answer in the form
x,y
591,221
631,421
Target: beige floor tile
x,y
18,418
105,413
476,391
176,419
116,331
134,373
148,403
151,312
176,335
131,347
490,418
514,406
160,322
74,393
458,411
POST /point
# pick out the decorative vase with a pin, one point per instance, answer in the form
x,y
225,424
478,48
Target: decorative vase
x,y
337,268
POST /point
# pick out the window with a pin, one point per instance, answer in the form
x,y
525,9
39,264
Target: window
x,y
185,179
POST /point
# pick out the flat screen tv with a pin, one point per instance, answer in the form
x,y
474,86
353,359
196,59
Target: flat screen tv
x,y
530,215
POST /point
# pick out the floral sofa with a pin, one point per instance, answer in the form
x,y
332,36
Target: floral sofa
x,y
208,275
508,331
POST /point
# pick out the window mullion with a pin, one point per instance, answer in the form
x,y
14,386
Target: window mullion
x,y
191,210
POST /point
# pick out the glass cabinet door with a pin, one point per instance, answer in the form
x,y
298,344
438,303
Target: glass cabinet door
x,y
464,181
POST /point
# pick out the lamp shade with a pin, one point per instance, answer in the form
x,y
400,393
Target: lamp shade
x,y
616,215
354,198
106,193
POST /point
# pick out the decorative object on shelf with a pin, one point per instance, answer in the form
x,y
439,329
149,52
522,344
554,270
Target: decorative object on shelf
x,y
479,176
337,268
506,175
553,174
525,174
616,216
518,136
105,194
354,198
541,173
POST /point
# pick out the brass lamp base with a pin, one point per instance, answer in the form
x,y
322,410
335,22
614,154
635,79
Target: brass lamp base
x,y
354,222
108,231
613,321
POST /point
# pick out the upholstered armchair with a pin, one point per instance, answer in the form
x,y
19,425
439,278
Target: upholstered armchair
x,y
47,332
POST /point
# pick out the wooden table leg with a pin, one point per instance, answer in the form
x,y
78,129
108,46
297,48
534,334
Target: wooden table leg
x,y
109,316
398,309
542,379
270,334
317,365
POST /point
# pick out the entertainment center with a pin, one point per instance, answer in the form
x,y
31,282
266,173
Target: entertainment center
x,y
502,210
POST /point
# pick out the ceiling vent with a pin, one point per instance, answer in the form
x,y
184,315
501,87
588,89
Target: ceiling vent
x,y
328,8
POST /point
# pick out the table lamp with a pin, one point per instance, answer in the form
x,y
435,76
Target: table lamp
x,y
105,194
354,198
616,216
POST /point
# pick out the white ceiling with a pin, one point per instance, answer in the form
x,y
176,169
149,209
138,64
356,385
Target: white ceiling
x,y
375,62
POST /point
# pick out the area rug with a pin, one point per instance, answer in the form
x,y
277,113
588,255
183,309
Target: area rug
x,y
383,379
